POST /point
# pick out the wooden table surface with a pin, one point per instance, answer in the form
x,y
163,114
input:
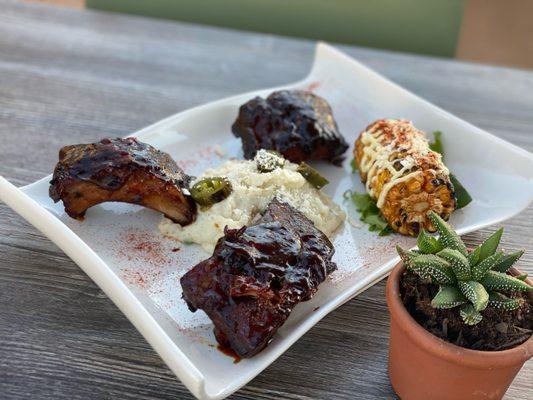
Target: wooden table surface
x,y
69,76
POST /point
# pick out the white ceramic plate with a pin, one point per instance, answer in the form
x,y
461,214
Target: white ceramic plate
x,y
119,246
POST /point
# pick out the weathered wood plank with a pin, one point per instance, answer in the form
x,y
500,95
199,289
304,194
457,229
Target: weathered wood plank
x,y
69,75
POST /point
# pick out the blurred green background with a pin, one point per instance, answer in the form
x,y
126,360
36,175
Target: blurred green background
x,y
417,26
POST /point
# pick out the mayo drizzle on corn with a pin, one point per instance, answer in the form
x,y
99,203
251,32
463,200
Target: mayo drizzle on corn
x,y
377,157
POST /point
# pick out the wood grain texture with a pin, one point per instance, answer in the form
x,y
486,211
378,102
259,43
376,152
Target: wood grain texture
x,y
71,76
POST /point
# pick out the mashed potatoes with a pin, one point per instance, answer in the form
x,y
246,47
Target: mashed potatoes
x,y
252,192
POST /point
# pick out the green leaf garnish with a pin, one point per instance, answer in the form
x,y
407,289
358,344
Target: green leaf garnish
x,y
463,197
369,211
364,203
436,145
353,164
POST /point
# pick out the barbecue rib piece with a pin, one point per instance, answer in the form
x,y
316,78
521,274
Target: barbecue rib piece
x,y
296,123
256,276
120,170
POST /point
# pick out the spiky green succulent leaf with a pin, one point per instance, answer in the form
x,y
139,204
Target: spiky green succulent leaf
x,y
479,270
470,280
448,238
469,315
458,262
522,277
406,256
428,244
502,302
475,293
501,281
507,261
474,256
448,297
489,246
433,267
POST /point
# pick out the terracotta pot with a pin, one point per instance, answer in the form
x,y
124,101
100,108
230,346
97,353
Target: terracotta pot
x,y
422,366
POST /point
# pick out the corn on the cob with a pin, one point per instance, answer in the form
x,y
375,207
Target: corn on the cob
x,y
405,177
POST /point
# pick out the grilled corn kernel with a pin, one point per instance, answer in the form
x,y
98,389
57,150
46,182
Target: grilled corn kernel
x,y
403,175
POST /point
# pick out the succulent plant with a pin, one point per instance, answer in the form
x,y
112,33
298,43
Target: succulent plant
x,y
472,280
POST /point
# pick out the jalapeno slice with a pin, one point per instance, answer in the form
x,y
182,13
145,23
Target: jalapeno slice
x,y
312,175
268,160
209,191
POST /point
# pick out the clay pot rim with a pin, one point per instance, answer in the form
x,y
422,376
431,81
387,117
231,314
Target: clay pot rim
x,y
443,349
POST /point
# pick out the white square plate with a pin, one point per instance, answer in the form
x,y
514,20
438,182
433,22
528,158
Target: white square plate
x,y
119,247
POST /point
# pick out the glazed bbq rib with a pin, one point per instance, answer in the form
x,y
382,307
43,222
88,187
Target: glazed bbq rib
x,y
124,170
296,123
256,276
